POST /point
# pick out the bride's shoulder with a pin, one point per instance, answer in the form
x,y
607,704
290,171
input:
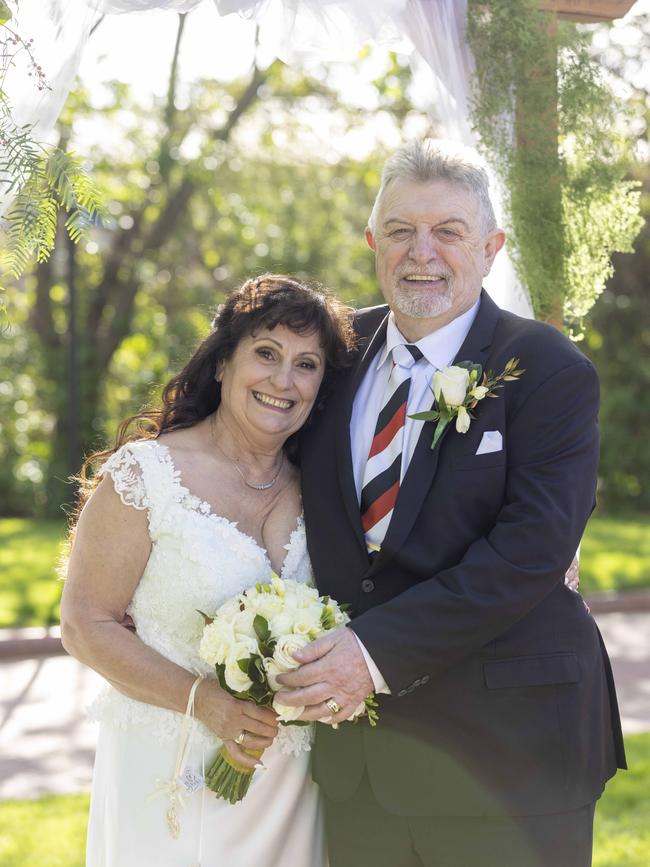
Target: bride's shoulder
x,y
139,468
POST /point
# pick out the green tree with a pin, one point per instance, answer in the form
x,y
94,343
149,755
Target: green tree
x,y
200,198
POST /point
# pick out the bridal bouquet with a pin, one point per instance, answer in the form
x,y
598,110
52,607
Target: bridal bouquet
x,y
250,641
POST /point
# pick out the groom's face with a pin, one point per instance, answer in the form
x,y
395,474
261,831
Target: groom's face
x,y
431,252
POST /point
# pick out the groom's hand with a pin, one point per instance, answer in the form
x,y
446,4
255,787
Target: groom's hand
x,y
332,667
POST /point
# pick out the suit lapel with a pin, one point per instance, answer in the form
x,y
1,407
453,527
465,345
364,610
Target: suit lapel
x,y
343,444
424,463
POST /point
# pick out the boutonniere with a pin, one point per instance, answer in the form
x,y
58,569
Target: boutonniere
x,y
457,391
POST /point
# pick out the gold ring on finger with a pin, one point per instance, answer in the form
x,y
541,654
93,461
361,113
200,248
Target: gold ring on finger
x,y
240,738
333,706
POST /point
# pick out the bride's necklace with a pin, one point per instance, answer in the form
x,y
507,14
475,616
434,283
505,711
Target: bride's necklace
x,y
263,487
255,487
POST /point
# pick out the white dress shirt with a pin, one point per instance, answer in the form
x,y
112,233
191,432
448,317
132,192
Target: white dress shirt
x,y
438,350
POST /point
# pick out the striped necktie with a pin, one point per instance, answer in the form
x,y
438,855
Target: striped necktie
x,y
381,477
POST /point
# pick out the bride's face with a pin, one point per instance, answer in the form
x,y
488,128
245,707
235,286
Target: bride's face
x,y
269,386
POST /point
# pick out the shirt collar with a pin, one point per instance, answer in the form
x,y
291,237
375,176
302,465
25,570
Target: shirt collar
x,y
440,347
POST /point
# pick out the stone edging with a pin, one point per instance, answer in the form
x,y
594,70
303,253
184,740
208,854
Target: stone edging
x,y
46,641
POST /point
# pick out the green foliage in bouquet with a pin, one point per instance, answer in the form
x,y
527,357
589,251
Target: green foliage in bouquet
x,y
569,205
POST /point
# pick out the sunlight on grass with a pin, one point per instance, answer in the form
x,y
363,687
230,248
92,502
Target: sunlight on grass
x,y
29,589
51,831
622,832
615,554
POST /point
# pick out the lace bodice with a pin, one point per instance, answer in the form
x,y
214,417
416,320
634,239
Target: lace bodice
x,y
197,561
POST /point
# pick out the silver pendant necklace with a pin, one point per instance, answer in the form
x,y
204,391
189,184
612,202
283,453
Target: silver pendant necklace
x,y
262,487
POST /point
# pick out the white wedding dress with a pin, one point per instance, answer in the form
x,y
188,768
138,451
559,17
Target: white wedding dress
x,y
198,560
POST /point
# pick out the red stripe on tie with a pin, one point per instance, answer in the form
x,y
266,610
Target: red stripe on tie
x,y
380,508
382,439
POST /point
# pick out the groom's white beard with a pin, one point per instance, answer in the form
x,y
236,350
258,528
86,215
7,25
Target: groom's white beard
x,y
423,303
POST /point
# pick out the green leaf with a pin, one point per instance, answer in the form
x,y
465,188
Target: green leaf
x,y
440,429
261,627
5,13
429,415
245,664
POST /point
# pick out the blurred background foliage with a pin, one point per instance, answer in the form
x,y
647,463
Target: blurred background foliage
x,y
207,190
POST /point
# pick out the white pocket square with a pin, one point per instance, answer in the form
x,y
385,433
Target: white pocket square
x,y
492,441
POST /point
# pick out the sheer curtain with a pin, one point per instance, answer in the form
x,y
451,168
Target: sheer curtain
x,y
332,29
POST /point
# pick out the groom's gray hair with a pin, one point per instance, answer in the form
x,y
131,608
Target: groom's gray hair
x,y
427,161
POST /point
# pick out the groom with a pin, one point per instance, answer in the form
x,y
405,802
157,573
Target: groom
x,y
498,723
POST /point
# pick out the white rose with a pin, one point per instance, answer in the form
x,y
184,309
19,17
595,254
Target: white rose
x,y
236,679
284,649
308,619
452,382
266,604
281,624
217,641
285,712
229,611
243,624
272,671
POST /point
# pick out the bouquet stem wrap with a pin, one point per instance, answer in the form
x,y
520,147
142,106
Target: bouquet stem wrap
x,y
227,778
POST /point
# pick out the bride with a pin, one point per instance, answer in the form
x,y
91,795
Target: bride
x,y
195,510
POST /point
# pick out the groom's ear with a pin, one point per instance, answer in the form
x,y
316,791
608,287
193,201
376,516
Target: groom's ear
x,y
370,239
493,243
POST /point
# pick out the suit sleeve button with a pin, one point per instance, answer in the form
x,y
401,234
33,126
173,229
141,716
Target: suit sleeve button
x,y
401,693
425,679
367,585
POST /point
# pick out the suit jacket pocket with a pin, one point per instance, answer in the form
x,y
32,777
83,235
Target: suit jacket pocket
x,y
542,670
480,462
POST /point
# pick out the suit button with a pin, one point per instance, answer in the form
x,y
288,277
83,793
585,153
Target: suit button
x,y
401,693
367,585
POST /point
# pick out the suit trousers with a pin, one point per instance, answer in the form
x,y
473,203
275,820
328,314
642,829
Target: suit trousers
x,y
361,833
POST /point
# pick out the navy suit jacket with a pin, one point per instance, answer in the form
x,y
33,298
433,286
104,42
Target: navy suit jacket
x,y
502,698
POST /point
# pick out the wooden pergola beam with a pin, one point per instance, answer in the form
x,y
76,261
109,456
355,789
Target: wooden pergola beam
x,y
588,10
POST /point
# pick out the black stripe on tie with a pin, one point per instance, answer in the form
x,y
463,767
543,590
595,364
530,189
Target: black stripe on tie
x,y
399,397
415,352
380,484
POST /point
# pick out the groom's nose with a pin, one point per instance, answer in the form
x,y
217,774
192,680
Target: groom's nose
x,y
423,247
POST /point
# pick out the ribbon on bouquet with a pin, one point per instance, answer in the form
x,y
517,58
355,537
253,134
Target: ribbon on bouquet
x,y
174,788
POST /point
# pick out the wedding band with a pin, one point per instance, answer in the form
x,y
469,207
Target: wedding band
x,y
240,738
332,705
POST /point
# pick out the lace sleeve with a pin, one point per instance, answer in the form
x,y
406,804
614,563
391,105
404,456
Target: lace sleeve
x,y
125,470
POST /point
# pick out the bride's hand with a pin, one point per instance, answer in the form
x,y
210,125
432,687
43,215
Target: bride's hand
x,y
228,717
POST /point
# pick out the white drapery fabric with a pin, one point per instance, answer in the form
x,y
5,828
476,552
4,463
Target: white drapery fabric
x,y
330,29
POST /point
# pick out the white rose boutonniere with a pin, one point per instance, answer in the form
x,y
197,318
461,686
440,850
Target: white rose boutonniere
x,y
457,391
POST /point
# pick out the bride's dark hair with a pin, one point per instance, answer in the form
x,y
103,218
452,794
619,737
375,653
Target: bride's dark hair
x,y
193,394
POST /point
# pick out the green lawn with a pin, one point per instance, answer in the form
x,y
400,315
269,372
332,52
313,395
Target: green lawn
x,y
51,832
615,555
29,589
